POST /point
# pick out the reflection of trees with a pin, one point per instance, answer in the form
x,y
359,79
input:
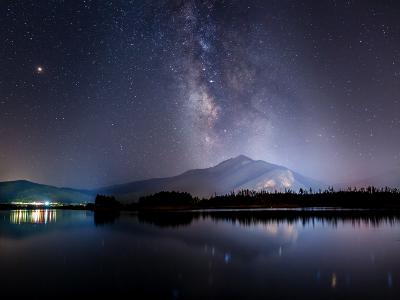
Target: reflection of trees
x,y
102,217
329,217
168,219
357,218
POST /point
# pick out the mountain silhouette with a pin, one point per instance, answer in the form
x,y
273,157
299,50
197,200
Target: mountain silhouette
x,y
234,174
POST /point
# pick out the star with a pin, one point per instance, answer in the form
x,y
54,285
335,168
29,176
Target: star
x,y
39,69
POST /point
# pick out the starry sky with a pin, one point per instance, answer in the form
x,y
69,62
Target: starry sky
x,y
95,93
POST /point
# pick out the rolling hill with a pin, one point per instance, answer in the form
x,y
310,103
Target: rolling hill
x,y
26,191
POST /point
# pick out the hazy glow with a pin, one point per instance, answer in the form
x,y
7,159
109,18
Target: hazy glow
x,y
287,179
35,203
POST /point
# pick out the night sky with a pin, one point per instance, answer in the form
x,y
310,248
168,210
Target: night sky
x,y
94,93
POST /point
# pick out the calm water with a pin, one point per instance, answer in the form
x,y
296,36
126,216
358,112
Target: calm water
x,y
198,256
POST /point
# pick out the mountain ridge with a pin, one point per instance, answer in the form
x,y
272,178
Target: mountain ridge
x,y
28,191
233,174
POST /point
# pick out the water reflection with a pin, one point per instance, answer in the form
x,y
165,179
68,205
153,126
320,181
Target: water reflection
x,y
105,217
333,280
269,220
203,255
36,216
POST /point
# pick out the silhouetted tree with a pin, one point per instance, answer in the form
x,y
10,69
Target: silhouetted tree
x,y
168,199
106,202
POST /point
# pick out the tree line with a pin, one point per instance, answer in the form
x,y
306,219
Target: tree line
x,y
368,197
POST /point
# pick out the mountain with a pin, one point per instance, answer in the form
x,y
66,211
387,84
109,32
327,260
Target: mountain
x,y
26,191
233,174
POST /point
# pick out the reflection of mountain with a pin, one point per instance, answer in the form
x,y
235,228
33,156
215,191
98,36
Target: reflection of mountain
x,y
223,234
172,219
26,191
231,175
272,217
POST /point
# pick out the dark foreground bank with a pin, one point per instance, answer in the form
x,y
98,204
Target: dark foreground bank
x,y
369,198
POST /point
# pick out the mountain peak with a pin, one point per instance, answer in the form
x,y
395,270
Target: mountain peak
x,y
238,160
234,174
242,157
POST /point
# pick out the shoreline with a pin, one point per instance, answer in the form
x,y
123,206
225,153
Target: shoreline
x,y
210,209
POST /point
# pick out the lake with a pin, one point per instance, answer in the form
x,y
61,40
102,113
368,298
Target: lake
x,y
209,255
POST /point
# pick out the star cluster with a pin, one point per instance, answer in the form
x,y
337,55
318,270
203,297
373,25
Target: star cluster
x,y
100,92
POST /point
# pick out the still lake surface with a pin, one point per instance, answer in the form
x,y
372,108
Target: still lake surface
x,y
198,256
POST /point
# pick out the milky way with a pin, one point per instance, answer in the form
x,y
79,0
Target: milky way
x,y
100,92
227,93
